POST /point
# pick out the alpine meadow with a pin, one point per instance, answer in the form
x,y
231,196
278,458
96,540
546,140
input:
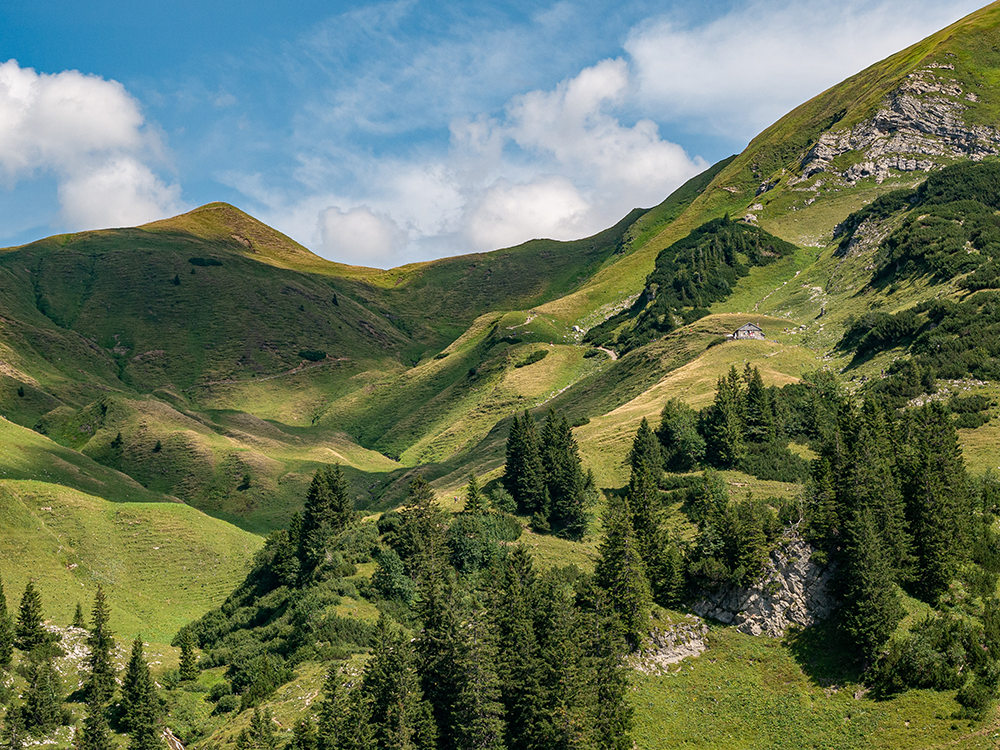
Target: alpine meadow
x,y
723,475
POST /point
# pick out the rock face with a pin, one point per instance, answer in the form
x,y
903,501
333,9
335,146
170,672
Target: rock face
x,y
671,645
920,123
794,590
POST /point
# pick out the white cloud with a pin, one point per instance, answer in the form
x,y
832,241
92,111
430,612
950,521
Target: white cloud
x,y
510,214
738,73
89,133
359,236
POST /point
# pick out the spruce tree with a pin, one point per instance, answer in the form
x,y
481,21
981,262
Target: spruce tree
x,y
872,609
475,501
758,425
345,716
564,478
303,735
723,427
13,736
78,621
95,734
518,658
668,576
6,632
260,734
643,496
613,712
188,669
682,444
478,719
30,633
43,702
646,450
140,705
524,475
401,718
421,540
621,572
328,511
101,642
437,649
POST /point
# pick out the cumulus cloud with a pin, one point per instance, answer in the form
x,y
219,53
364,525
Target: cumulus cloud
x,y
359,235
738,73
88,132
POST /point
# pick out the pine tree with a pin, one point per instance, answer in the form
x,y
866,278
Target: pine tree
x,y
6,632
188,669
524,475
872,609
101,642
30,633
564,478
328,511
140,705
621,572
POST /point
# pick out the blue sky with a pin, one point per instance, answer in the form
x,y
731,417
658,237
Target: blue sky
x,y
384,133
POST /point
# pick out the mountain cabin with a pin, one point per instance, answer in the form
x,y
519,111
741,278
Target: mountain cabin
x,y
748,331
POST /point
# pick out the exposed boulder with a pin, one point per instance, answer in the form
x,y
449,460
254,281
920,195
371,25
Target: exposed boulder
x,y
793,590
671,643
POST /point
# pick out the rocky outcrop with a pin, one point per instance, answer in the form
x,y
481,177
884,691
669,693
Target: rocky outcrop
x,y
793,590
920,123
671,644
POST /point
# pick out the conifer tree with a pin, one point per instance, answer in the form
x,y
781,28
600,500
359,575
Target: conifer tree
x,y
723,428
871,604
30,633
613,713
13,736
401,718
682,444
936,494
759,419
328,511
421,541
524,475
518,659
95,734
643,496
42,705
478,722
621,572
260,734
78,621
564,478
437,649
475,501
188,669
646,450
6,632
303,735
101,642
140,705
667,578
345,716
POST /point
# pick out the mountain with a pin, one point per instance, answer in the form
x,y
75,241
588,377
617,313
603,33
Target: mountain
x,y
170,390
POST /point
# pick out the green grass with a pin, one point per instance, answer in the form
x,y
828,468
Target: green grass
x,y
161,564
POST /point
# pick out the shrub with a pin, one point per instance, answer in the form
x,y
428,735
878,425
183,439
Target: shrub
x,y
227,704
312,355
535,356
